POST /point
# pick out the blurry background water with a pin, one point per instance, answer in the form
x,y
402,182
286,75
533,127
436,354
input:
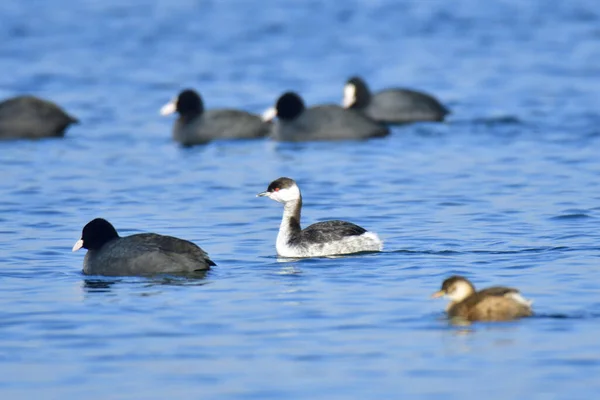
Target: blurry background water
x,y
506,192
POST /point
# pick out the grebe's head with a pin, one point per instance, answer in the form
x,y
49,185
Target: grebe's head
x,y
456,288
282,190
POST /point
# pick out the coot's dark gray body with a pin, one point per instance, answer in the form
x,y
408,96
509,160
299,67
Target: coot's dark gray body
x,y
219,124
397,106
145,254
140,254
196,126
394,106
326,122
28,117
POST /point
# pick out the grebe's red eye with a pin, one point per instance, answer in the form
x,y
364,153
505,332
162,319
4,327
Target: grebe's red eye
x,y
276,190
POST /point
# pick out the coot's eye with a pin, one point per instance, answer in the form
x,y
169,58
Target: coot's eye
x,y
276,190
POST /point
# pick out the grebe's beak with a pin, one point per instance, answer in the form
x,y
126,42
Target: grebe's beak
x,y
262,194
438,294
78,245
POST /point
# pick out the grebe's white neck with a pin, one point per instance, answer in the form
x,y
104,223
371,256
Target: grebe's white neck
x,y
290,225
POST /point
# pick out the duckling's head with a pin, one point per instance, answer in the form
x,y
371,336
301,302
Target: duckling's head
x,y
456,288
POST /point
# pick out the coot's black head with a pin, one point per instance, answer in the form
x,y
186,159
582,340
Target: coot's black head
x,y
187,104
289,106
356,93
96,234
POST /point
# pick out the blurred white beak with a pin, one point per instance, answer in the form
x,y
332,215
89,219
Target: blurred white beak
x,y
263,194
269,114
78,245
169,108
349,95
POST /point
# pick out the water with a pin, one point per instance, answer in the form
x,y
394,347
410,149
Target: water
x,y
505,193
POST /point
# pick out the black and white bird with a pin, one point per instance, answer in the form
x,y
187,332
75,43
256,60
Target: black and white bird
x,y
296,123
392,106
140,254
327,238
198,126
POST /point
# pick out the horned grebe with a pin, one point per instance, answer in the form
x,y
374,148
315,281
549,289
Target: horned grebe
x,y
296,123
392,106
326,238
491,304
29,117
196,126
140,254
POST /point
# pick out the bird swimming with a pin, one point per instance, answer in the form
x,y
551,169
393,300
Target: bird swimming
x,y
325,238
140,254
492,304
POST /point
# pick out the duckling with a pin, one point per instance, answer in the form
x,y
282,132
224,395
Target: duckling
x,y
492,304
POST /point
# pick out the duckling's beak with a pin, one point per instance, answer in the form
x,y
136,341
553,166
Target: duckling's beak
x,y
269,114
437,294
78,245
262,194
169,108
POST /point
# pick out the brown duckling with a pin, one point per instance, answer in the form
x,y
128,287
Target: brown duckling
x,y
492,304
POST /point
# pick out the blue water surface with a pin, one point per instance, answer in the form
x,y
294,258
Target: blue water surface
x,y
506,192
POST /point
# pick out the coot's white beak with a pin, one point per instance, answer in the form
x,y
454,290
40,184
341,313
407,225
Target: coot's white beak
x,y
263,194
78,245
269,114
169,108
349,95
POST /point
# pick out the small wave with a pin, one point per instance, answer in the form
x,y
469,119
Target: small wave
x,y
499,120
490,121
576,315
454,252
574,216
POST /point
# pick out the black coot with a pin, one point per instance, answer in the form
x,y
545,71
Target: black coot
x,y
198,126
29,117
296,123
140,254
392,106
